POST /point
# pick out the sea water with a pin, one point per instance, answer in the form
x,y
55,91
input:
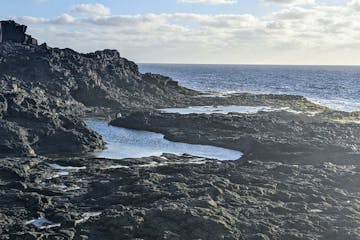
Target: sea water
x,y
337,87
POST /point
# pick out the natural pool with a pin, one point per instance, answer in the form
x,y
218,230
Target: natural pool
x,y
127,143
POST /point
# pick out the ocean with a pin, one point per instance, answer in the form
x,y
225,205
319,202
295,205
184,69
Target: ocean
x,y
337,87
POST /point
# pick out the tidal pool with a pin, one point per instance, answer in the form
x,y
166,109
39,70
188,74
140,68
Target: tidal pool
x,y
127,143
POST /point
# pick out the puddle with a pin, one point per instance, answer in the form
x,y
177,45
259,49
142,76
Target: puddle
x,y
115,167
86,216
68,168
315,211
56,175
43,223
66,188
127,143
61,171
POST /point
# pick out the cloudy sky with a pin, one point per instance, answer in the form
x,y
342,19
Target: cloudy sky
x,y
199,31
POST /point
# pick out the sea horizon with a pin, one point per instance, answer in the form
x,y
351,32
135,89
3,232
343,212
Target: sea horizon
x,y
251,64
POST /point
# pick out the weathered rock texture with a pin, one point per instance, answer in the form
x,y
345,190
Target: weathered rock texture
x,y
10,31
34,122
100,79
184,198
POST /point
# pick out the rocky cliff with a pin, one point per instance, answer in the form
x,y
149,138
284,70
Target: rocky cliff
x,y
99,79
44,90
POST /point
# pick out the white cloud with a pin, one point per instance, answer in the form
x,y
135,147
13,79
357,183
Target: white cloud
x,y
326,34
290,2
212,2
92,9
354,4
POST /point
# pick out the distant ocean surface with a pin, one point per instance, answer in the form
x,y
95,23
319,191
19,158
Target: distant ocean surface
x,y
337,87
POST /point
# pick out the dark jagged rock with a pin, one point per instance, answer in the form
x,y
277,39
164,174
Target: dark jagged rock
x,y
99,79
172,197
44,91
34,122
10,31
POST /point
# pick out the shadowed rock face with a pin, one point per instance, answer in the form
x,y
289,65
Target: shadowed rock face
x,y
10,31
99,79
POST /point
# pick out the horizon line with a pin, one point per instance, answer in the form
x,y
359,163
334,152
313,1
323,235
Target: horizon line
x,y
253,64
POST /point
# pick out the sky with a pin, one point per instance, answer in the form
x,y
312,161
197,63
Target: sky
x,y
317,32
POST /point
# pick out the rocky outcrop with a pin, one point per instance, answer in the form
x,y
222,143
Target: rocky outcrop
x,y
99,79
44,91
10,31
33,122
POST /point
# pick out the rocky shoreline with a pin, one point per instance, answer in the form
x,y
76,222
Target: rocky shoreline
x,y
177,197
282,136
298,179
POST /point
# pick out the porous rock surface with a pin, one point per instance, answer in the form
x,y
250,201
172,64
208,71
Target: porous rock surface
x,y
172,197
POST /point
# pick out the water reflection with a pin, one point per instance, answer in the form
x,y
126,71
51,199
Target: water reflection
x,y
127,143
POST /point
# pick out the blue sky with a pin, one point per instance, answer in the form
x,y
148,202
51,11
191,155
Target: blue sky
x,y
199,31
50,8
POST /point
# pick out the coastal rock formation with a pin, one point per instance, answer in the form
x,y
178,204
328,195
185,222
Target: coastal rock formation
x,y
269,136
99,79
62,82
45,91
11,31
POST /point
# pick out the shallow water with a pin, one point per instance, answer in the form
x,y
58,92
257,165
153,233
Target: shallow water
x,y
127,143
42,223
219,109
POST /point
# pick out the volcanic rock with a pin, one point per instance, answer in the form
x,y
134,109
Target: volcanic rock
x,y
11,31
45,92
